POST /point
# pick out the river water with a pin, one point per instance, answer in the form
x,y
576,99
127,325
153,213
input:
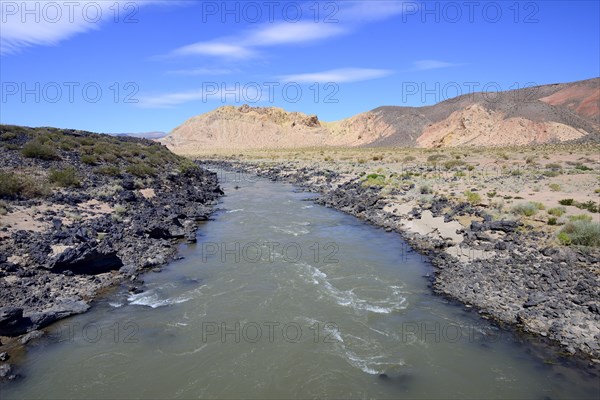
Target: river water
x,y
281,298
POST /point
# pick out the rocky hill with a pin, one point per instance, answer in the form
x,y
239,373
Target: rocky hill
x,y
81,211
541,114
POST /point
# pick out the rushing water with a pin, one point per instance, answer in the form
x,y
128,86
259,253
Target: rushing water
x,y
283,299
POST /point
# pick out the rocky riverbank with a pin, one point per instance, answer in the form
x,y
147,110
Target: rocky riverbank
x,y
504,268
80,212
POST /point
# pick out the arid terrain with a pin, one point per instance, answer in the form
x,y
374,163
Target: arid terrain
x,y
557,113
512,231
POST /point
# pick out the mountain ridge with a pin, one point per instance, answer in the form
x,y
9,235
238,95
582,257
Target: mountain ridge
x,y
561,112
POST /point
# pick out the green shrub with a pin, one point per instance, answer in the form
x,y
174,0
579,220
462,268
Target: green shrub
x,y
374,180
435,157
472,197
555,187
8,136
526,209
581,233
591,206
580,217
453,164
188,167
141,170
552,221
66,177
557,211
582,167
566,202
109,170
88,159
37,149
10,185
13,185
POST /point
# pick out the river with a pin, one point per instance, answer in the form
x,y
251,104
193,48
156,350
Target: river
x,y
281,298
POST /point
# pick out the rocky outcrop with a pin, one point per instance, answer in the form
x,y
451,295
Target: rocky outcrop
x,y
59,248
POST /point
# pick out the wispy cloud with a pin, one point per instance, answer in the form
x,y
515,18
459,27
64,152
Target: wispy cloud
x,y
248,44
423,65
215,49
342,19
60,21
342,75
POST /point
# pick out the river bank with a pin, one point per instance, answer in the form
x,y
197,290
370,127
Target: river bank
x,y
84,212
503,268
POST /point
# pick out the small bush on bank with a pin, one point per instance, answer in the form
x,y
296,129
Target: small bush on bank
x,y
66,177
141,170
580,233
526,209
37,149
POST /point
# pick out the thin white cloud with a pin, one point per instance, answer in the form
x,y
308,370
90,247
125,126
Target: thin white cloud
x,y
288,33
342,75
334,19
423,65
50,23
215,49
247,45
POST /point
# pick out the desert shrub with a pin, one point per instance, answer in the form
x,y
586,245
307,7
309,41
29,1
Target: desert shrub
x,y
472,197
141,170
109,170
580,233
526,209
10,185
591,206
553,166
374,180
106,191
66,177
188,167
435,157
89,159
557,211
491,195
555,187
552,221
582,167
409,158
425,189
453,164
13,185
580,217
566,202
8,136
37,149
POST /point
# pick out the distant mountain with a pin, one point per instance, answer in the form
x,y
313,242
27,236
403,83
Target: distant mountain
x,y
541,114
147,135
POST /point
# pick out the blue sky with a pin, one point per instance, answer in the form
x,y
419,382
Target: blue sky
x,y
151,65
